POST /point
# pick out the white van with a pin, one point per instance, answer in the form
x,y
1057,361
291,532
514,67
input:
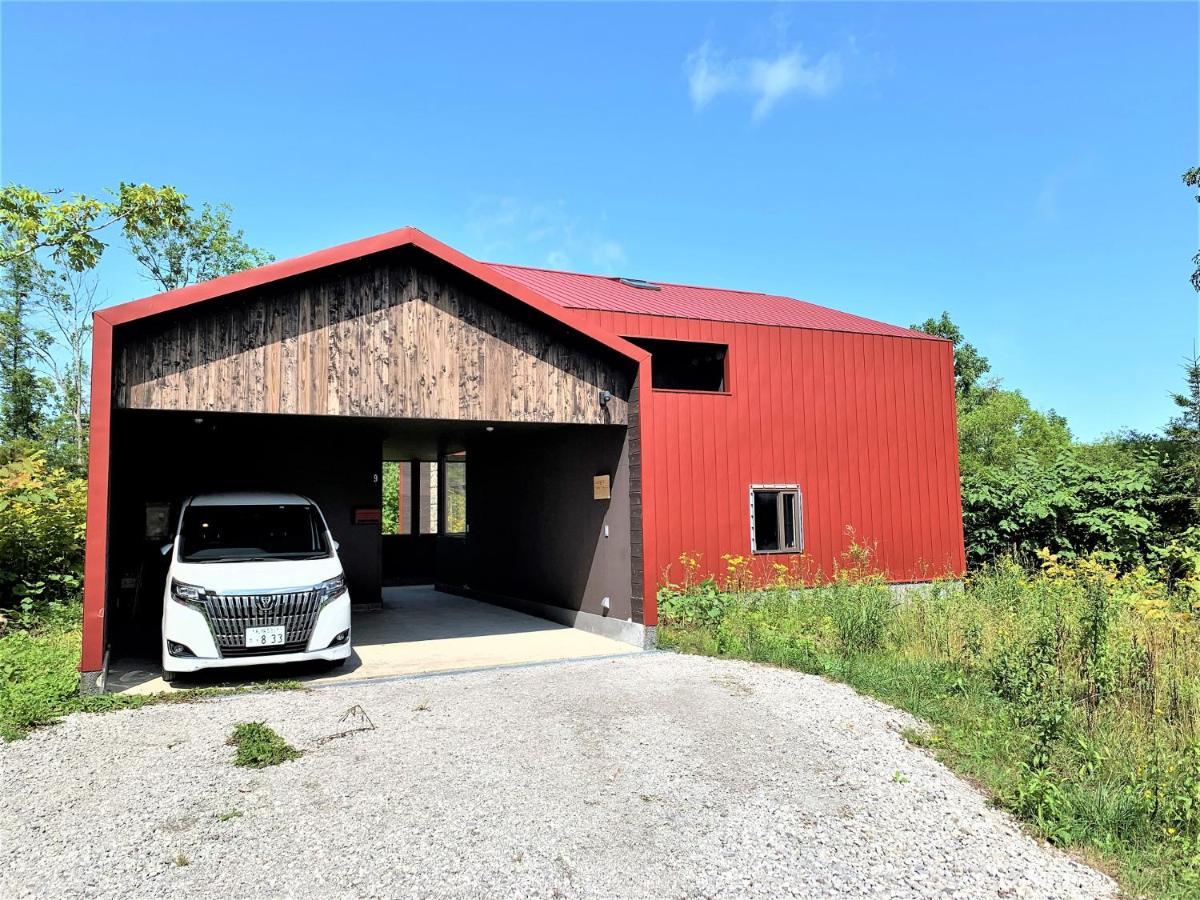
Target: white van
x,y
254,578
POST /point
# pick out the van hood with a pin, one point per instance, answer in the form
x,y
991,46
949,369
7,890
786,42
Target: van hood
x,y
266,576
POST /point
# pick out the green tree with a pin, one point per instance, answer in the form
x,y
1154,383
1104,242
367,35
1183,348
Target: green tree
x,y
69,229
998,427
969,364
23,391
196,246
50,246
1192,179
1183,431
1070,505
67,303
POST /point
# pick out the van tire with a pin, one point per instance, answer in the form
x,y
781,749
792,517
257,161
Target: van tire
x,y
338,663
168,676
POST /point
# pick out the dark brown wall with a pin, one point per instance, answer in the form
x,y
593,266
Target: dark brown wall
x,y
535,531
401,335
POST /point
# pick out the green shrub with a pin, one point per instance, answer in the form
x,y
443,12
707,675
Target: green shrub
x,y
42,515
258,745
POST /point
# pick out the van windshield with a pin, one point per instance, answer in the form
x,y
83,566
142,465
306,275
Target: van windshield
x,y
251,533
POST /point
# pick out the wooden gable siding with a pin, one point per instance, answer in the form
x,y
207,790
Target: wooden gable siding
x,y
392,340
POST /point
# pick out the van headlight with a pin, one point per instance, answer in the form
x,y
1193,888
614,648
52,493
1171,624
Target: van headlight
x,y
330,590
187,594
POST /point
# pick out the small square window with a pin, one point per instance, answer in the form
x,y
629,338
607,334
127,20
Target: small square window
x,y
776,525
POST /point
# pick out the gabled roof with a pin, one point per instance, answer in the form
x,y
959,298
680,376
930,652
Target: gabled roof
x,y
600,292
134,310
554,294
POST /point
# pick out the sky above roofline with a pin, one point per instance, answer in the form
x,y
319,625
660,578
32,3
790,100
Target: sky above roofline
x,y
1017,165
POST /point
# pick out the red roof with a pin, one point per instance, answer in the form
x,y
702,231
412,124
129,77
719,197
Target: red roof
x,y
548,291
683,301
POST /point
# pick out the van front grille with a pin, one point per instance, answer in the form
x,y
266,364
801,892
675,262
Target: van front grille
x,y
229,615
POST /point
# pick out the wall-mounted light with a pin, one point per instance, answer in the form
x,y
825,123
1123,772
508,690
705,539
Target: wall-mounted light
x,y
490,428
605,397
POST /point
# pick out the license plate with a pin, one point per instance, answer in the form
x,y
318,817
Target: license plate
x,y
266,636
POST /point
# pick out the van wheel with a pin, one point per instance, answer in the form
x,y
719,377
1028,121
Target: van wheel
x,y
168,676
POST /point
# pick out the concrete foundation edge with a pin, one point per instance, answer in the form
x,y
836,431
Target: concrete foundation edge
x,y
622,630
91,683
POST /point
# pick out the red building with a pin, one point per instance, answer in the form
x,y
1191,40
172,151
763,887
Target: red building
x,y
606,425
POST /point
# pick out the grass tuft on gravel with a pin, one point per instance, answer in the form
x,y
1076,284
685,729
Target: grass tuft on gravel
x,y
259,745
39,679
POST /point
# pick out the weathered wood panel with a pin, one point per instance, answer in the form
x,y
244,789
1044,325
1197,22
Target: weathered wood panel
x,y
394,340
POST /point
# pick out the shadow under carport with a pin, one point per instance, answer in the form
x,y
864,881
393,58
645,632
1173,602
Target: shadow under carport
x,y
417,630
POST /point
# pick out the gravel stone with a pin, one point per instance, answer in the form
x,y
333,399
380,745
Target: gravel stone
x,y
653,775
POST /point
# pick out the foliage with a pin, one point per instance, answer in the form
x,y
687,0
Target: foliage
x,y
39,676
1192,179
192,247
1072,691
67,301
31,220
969,364
1184,431
997,428
50,247
1026,484
258,745
390,512
1068,504
42,517
23,391
456,495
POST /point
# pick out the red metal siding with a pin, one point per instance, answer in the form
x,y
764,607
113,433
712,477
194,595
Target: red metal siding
x,y
863,423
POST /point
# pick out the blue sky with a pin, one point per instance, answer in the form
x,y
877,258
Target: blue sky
x,y
1016,164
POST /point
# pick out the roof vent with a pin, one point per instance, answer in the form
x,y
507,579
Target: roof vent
x,y
639,284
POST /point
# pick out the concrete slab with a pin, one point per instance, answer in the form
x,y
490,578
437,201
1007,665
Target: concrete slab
x,y
418,630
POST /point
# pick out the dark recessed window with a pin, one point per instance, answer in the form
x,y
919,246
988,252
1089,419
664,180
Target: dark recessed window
x,y
775,519
685,365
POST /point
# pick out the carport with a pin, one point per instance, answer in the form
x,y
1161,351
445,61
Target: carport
x,y
510,426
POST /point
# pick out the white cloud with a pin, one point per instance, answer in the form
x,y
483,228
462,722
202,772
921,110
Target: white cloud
x,y
545,234
766,79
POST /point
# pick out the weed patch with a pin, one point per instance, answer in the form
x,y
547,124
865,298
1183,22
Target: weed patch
x,y
257,745
39,678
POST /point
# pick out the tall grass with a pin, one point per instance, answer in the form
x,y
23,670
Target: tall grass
x,y
1073,692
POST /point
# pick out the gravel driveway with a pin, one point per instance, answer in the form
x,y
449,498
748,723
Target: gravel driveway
x,y
651,775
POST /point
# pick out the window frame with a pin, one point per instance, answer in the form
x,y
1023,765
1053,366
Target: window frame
x,y
727,391
782,491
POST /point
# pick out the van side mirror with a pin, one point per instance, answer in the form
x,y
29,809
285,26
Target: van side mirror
x,y
336,546
166,549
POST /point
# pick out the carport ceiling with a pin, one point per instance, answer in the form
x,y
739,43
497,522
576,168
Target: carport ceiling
x,y
427,438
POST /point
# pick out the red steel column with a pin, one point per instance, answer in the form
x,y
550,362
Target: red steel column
x,y
95,563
